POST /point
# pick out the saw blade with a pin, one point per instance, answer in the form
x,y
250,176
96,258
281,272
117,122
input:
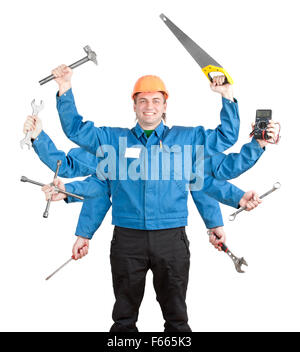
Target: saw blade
x,y
205,61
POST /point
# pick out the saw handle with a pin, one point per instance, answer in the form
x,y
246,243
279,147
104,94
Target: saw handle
x,y
210,68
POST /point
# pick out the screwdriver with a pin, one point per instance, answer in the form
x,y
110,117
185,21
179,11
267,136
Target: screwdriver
x,y
62,266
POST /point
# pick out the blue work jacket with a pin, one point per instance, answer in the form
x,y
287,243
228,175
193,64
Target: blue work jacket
x,y
81,163
144,203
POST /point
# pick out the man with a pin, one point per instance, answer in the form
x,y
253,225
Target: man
x,y
78,163
150,215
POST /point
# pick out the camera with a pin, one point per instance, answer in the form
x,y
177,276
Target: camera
x,y
262,120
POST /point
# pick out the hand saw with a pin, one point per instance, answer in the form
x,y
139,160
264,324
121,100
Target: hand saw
x,y
206,62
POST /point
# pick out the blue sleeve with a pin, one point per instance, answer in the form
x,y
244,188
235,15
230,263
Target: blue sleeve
x,y
77,187
223,191
226,167
94,208
208,209
84,134
76,163
225,135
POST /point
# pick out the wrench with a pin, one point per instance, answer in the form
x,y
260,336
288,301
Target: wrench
x,y
91,56
25,179
276,186
46,212
238,262
35,110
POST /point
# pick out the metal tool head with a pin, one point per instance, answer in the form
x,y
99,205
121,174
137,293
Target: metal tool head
x,y
24,179
36,108
238,262
232,217
91,54
277,185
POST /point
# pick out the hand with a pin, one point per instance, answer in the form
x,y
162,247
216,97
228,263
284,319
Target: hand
x,y
217,237
224,89
50,192
80,248
34,124
250,200
63,75
273,132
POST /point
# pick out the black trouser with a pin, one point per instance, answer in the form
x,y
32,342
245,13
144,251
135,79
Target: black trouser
x,y
166,253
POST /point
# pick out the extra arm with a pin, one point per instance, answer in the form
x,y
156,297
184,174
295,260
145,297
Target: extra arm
x,y
208,209
94,208
76,163
226,167
223,191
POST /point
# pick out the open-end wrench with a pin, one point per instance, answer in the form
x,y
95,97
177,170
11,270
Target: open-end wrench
x,y
56,189
91,56
238,262
46,212
276,186
35,111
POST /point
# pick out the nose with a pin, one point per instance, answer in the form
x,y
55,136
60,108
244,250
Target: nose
x,y
149,105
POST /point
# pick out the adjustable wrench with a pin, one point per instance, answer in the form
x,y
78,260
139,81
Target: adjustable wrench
x,y
238,262
276,186
35,110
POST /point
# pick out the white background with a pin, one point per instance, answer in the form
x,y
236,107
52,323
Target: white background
x,y
257,42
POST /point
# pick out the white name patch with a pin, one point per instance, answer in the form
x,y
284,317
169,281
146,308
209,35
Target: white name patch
x,y
132,152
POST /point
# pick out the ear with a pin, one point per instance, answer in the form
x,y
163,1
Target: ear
x,y
134,106
165,106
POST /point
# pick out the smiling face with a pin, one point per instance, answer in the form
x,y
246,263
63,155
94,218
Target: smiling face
x,y
149,109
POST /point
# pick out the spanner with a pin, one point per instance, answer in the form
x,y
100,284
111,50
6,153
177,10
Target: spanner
x,y
238,262
276,186
35,110
56,189
46,212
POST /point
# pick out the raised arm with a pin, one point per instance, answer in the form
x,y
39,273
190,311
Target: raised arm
x,y
226,134
84,134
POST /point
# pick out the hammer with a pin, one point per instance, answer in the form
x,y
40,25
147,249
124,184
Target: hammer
x,y
91,56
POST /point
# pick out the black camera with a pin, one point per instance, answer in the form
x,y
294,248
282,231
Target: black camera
x,y
262,120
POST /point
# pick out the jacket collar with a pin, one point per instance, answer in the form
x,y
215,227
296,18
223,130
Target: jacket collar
x,y
158,131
